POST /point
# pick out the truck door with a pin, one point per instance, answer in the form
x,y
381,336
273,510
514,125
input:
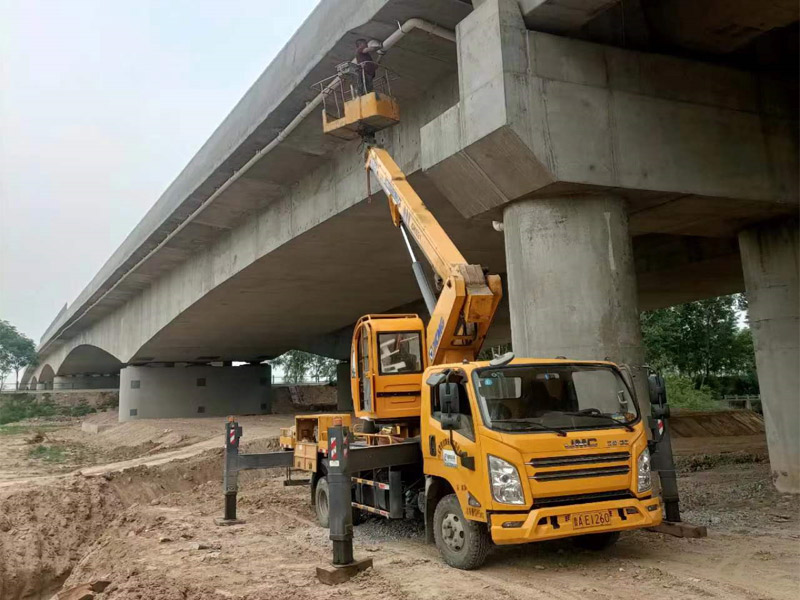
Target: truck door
x,y
454,455
361,371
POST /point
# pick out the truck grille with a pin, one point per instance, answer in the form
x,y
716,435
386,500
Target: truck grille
x,y
582,498
581,473
580,459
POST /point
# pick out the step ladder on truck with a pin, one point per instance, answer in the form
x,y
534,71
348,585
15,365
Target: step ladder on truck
x,y
505,451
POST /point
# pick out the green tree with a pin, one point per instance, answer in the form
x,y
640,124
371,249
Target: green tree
x,y
699,339
7,335
17,351
298,366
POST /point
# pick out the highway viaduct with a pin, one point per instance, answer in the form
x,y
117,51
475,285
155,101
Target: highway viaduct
x,y
637,154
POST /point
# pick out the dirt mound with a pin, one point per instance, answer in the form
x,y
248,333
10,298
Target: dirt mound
x,y
716,423
45,530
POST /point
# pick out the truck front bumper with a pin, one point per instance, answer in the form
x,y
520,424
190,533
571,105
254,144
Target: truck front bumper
x,y
576,519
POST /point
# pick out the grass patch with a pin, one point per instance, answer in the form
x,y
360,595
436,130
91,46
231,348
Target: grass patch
x,y
682,393
15,429
16,407
50,454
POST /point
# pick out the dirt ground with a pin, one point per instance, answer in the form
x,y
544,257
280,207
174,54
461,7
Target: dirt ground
x,y
146,525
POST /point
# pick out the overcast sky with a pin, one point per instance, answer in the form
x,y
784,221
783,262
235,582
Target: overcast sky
x,y
102,103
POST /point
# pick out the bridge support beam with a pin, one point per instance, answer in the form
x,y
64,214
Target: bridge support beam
x,y
770,263
571,281
195,391
86,381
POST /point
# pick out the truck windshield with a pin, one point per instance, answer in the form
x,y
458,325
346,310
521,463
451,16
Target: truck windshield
x,y
540,398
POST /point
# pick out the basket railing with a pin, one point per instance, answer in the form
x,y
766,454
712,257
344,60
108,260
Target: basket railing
x,y
351,81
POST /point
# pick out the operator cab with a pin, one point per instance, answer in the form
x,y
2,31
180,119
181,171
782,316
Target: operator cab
x,y
388,358
354,105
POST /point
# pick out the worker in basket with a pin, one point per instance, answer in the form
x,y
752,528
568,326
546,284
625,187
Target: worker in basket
x,y
367,64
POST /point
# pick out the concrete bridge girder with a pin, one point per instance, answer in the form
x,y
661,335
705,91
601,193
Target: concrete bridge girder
x,y
216,259
684,142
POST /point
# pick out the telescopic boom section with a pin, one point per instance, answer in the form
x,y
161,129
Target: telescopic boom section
x,y
466,305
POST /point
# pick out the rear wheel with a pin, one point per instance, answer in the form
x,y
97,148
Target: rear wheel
x,y
597,541
462,543
322,503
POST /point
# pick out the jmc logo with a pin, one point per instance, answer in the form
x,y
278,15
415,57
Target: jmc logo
x,y
579,444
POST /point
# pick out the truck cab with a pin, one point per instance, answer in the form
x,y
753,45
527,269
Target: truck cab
x,y
529,450
386,367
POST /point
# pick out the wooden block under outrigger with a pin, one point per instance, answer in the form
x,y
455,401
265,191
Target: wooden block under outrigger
x,y
334,574
680,529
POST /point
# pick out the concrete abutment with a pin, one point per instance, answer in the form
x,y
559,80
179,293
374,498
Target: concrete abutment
x,y
195,391
770,263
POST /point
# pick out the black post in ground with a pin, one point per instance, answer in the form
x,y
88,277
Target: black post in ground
x,y
664,463
662,459
343,565
230,472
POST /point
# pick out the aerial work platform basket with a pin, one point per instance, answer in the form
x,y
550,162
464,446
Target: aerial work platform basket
x,y
355,104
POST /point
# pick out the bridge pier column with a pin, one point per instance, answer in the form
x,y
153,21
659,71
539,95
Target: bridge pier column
x,y
344,397
770,264
571,282
194,391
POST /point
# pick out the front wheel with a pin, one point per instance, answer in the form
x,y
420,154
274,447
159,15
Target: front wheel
x,y
596,541
462,543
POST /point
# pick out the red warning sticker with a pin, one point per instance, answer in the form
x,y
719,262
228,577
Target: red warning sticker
x,y
334,453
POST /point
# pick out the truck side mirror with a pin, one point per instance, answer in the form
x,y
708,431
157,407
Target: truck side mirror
x,y
657,389
450,403
659,409
658,395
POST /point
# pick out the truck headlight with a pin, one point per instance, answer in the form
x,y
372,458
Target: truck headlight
x,y
506,486
643,467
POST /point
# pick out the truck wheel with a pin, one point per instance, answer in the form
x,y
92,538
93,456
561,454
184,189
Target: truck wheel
x,y
321,503
463,544
597,541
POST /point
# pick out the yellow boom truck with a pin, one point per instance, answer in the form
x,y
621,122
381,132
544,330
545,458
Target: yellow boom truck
x,y
503,451
509,451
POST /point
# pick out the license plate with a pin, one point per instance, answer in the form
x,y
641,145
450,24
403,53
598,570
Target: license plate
x,y
596,518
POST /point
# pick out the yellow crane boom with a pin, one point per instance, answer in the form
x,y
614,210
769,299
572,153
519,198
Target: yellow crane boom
x,y
466,305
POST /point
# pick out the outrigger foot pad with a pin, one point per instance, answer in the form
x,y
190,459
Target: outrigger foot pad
x,y
680,529
335,574
222,522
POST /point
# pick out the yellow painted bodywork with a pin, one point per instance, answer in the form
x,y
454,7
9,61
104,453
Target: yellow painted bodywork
x,y
469,298
519,449
370,112
452,339
393,396
314,429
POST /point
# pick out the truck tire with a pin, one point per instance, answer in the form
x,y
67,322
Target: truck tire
x,y
462,543
322,502
596,541
322,505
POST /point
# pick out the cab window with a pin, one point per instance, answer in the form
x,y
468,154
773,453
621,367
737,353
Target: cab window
x,y
400,352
